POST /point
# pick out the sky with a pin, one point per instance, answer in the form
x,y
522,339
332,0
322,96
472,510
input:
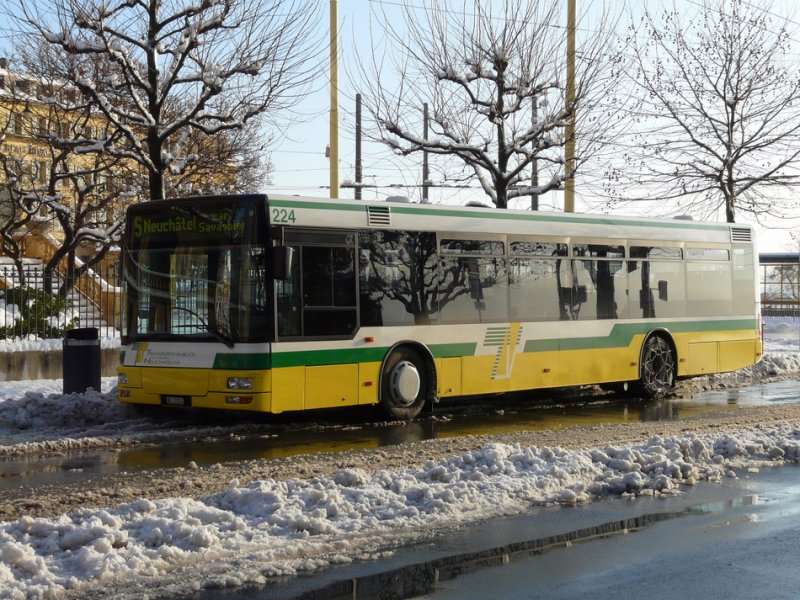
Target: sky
x,y
298,149
303,169
248,532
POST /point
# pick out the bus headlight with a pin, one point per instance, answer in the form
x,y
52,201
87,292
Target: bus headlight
x,y
240,383
122,378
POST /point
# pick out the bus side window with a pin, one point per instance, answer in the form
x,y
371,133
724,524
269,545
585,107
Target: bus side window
x,y
329,291
288,301
533,287
473,290
398,277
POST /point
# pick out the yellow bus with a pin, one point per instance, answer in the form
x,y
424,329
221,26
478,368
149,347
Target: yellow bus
x,y
275,303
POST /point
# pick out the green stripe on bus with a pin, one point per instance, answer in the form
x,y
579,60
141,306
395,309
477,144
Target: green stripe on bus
x,y
556,218
242,361
342,356
499,215
622,334
452,350
325,205
312,358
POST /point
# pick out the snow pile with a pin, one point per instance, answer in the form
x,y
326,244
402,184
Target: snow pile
x,y
34,344
782,334
272,527
9,314
53,422
774,365
38,422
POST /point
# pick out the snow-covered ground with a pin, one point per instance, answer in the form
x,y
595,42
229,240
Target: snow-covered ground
x,y
249,532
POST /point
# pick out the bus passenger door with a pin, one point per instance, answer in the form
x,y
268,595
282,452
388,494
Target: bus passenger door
x,y
316,306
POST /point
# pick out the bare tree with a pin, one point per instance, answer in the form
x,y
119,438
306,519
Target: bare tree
x,y
56,178
494,81
234,160
225,63
718,125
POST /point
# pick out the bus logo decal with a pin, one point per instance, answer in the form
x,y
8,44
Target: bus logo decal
x,y
141,350
507,340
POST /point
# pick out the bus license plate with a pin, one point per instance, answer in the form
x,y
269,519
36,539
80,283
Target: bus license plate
x,y
176,401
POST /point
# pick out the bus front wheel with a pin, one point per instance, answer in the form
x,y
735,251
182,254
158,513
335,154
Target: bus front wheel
x,y
657,372
404,385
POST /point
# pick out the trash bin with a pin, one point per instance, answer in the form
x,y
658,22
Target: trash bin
x,y
81,360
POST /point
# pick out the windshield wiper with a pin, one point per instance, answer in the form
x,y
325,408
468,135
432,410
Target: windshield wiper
x,y
221,336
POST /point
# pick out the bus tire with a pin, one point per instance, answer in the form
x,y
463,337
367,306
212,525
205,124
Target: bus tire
x,y
404,384
657,370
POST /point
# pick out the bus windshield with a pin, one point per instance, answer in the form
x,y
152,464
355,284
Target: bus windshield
x,y
195,272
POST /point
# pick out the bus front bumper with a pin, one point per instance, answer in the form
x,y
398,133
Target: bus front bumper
x,y
231,400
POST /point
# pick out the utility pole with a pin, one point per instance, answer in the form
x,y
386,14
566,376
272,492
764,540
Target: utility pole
x,y
569,130
358,147
535,161
334,115
425,173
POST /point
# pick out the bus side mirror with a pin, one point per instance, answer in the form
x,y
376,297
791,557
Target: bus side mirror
x,y
282,262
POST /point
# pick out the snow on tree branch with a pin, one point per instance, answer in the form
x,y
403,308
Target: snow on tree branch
x,y
157,68
491,76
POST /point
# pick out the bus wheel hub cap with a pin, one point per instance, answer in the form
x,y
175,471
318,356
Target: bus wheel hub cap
x,y
404,383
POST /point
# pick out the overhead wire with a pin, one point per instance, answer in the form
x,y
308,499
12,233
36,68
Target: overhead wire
x,y
379,156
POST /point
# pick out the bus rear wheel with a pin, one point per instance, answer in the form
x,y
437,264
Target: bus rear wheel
x,y
657,371
404,385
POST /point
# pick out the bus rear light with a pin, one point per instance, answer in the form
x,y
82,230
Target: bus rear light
x,y
369,339
240,383
238,400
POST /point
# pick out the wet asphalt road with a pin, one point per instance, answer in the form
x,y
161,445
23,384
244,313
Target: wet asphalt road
x,y
338,432
742,545
732,540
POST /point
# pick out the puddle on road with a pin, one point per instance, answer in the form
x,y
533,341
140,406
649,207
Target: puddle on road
x,y
350,431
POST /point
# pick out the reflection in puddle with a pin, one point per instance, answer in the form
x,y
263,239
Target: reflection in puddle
x,y
422,578
273,439
718,507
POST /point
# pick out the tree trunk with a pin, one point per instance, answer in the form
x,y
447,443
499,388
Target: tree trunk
x,y
730,209
156,185
155,176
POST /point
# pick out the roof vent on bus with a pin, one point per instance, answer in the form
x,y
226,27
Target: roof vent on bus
x,y
379,215
741,234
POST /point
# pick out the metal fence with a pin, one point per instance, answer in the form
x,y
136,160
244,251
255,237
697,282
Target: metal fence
x,y
780,285
28,311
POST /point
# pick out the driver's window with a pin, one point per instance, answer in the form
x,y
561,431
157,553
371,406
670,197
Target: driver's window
x,y
189,292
